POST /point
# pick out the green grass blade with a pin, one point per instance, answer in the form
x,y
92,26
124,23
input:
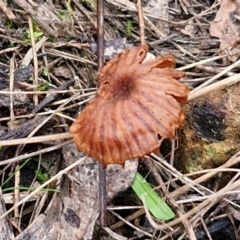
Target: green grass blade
x,y
19,168
154,203
30,189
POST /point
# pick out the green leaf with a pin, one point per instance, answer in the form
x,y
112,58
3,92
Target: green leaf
x,y
68,6
63,14
91,3
41,177
30,189
129,27
154,203
43,86
46,72
37,33
11,175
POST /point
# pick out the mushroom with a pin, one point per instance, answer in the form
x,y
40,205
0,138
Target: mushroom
x,y
136,107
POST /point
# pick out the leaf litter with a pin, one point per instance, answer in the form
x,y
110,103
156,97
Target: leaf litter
x,y
192,33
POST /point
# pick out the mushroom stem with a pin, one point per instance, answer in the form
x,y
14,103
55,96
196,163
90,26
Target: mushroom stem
x,y
102,195
102,171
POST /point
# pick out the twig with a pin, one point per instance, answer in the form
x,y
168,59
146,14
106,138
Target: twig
x,y
51,96
21,131
186,223
214,78
35,59
29,155
141,22
37,139
100,33
11,83
57,176
132,225
214,87
6,227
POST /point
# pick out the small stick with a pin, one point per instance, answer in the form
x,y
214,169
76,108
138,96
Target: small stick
x,y
100,33
102,171
36,139
141,21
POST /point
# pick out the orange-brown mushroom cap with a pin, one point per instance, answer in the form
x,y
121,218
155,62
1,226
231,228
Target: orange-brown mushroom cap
x,y
136,107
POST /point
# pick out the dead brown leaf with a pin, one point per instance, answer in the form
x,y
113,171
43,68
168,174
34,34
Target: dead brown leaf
x,y
7,10
226,25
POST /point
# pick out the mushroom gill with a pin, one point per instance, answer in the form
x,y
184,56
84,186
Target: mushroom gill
x,y
136,107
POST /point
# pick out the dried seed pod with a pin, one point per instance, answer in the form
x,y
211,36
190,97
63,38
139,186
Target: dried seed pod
x,y
136,107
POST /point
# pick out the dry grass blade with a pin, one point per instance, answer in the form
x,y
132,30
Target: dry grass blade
x,y
54,178
141,22
38,139
227,69
214,87
209,201
29,155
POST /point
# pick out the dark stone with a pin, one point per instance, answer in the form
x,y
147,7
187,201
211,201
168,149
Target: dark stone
x,y
72,218
208,122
